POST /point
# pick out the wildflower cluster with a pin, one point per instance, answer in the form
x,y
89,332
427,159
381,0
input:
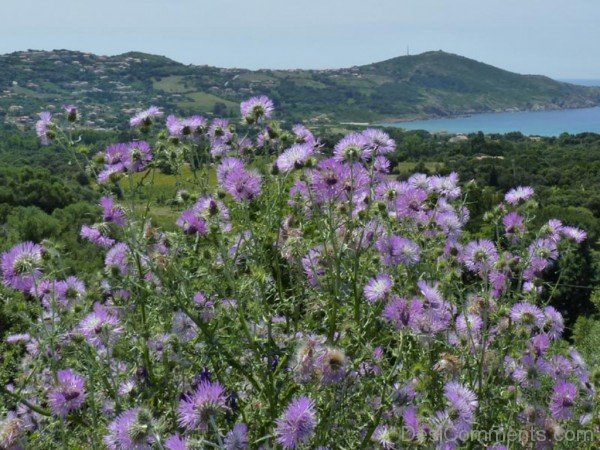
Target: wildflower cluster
x,y
304,298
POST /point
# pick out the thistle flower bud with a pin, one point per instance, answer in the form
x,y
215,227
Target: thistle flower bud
x,y
115,177
71,112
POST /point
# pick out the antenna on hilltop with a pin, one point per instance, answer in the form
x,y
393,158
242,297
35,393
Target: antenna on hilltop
x,y
407,50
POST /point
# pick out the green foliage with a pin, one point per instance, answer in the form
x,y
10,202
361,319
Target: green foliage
x,y
586,334
433,83
30,224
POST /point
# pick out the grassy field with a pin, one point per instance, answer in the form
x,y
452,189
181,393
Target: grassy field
x,y
172,84
159,191
408,167
192,99
204,102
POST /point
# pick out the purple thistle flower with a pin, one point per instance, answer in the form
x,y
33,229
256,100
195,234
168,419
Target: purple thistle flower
x,y
219,149
328,180
313,265
561,367
71,111
428,319
176,442
519,194
100,328
539,344
242,184
94,235
445,186
111,173
18,338
574,234
21,266
115,154
382,164
390,190
131,430
444,431
213,212
384,436
137,156
191,127
219,131
527,315
184,327
196,409
116,259
544,249
553,229
513,223
190,223
378,142
469,325
352,148
462,400
498,281
227,166
431,293
12,429
112,213
562,400
304,135
174,126
297,424
244,144
479,256
411,422
257,108
396,250
331,365
294,157
144,118
378,288
419,181
69,394
128,386
75,290
51,293
528,369
397,312
43,128
450,224
206,306
237,438
553,323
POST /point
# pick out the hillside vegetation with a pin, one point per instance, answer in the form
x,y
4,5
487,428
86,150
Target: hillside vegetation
x,y
425,85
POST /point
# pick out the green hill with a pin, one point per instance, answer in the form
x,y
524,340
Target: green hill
x,y
426,85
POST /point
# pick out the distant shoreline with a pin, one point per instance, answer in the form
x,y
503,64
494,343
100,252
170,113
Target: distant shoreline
x,y
533,123
394,120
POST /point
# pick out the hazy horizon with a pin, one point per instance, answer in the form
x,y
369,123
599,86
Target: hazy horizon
x,y
556,38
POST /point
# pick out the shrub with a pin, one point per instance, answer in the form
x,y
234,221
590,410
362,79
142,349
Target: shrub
x,y
308,299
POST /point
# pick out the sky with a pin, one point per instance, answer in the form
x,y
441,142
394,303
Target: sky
x,y
558,38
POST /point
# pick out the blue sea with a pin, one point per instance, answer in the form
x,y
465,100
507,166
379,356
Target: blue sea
x,y
540,123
